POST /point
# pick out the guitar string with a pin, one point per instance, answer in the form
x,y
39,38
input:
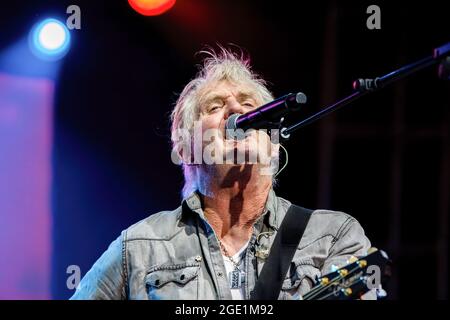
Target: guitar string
x,y
331,293
313,293
322,288
319,288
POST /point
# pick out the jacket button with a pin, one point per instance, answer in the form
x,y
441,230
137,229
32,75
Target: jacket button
x,y
219,273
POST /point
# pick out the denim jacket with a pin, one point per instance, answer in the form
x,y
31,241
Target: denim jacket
x,y
176,255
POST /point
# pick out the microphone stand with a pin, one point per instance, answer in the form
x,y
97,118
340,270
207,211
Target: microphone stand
x,y
363,87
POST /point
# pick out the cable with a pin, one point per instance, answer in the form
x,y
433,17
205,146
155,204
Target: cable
x,y
285,164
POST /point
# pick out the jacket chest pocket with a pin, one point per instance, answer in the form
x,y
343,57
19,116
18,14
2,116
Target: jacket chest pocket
x,y
173,282
299,280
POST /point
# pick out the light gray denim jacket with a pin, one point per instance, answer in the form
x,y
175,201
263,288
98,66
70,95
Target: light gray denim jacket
x,y
176,255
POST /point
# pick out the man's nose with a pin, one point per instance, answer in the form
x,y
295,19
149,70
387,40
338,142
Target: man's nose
x,y
234,107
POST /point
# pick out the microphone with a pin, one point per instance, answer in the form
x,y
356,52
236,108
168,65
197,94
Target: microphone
x,y
266,116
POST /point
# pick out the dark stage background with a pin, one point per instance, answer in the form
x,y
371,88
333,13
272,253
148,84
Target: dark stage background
x,y
384,159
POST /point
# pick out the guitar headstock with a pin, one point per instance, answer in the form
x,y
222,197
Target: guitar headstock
x,y
353,280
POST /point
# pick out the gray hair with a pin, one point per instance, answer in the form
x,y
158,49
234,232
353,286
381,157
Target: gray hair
x,y
217,66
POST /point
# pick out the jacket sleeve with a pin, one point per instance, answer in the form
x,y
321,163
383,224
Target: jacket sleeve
x,y
350,241
106,279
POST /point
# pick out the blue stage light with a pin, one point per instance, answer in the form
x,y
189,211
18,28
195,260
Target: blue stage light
x,y
49,39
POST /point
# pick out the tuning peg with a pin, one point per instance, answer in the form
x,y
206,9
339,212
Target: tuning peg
x,y
343,272
362,263
347,291
352,259
324,281
372,250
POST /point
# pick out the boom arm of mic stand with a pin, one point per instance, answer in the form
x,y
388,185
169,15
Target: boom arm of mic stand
x,y
364,86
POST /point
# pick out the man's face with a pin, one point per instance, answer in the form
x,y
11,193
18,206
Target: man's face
x,y
219,100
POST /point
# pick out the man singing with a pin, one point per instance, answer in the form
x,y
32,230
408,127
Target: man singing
x,y
229,216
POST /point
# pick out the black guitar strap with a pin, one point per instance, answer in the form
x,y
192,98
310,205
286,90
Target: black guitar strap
x,y
286,241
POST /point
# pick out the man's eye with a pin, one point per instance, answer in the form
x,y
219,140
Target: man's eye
x,y
249,104
214,108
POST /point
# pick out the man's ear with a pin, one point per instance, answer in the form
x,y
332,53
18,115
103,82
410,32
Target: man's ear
x,y
185,153
176,156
